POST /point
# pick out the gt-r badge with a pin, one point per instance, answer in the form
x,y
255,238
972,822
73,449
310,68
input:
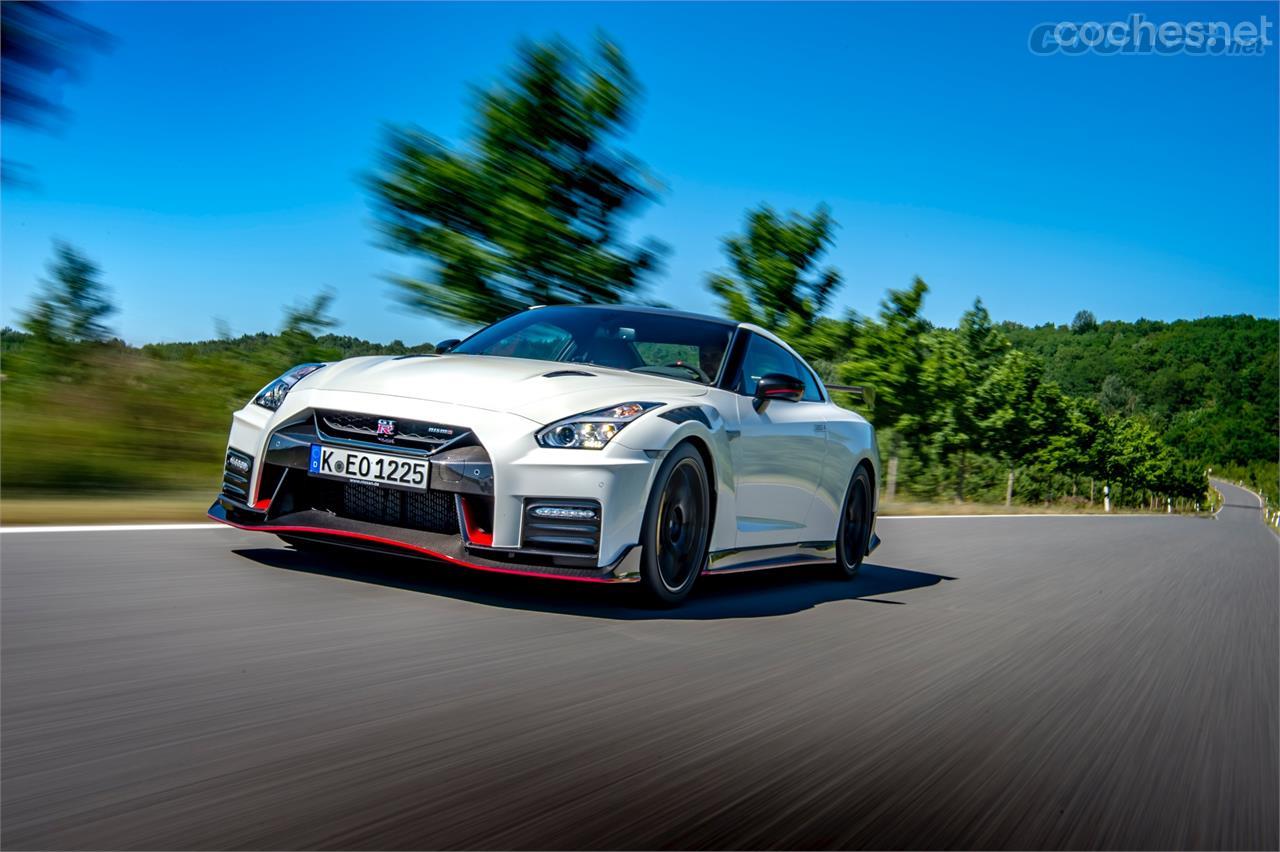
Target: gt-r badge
x,y
386,430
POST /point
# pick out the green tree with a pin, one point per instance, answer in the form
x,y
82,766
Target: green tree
x,y
1116,397
889,355
1135,458
73,303
949,379
956,367
531,211
1018,410
1073,447
984,342
302,323
774,281
1083,322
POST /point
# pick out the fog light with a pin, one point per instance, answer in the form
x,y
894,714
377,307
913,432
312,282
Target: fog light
x,y
564,513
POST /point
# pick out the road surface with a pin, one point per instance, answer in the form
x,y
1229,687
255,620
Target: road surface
x,y
1026,682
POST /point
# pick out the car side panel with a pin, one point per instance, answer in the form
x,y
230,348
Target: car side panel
x,y
779,455
850,441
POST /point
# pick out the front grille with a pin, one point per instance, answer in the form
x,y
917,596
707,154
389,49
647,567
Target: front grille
x,y
235,475
569,537
386,431
433,511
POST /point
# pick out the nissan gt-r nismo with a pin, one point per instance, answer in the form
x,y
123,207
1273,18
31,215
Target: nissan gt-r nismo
x,y
595,443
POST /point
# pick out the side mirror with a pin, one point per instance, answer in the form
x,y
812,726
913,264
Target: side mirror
x,y
777,386
445,345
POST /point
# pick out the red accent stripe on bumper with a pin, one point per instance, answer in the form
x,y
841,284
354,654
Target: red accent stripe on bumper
x,y
443,557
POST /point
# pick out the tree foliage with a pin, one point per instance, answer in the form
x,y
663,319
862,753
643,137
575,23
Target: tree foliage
x,y
1083,322
531,210
73,304
1016,407
41,44
954,366
889,355
774,281
965,407
1209,385
302,323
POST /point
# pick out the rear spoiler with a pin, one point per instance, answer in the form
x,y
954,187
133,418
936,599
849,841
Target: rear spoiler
x,y
858,392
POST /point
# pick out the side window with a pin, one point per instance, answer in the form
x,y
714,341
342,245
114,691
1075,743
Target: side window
x,y
812,393
764,357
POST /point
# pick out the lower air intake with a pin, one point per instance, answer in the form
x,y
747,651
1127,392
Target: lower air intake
x,y
433,511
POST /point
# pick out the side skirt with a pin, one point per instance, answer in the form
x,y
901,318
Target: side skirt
x,y
770,556
777,556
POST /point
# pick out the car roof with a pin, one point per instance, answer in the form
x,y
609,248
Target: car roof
x,y
671,312
646,309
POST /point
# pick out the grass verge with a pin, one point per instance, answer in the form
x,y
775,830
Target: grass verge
x,y
908,507
105,508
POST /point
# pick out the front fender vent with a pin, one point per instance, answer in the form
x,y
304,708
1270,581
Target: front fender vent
x,y
685,414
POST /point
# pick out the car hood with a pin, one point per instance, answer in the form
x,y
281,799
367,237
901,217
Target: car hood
x,y
541,391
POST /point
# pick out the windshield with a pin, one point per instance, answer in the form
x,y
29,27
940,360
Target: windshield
x,y
660,344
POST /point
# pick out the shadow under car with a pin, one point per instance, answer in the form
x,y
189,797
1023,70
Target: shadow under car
x,y
755,594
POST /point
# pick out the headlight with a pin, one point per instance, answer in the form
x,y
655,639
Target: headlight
x,y
592,429
272,396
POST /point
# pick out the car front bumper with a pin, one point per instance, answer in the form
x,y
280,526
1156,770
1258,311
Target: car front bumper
x,y
506,475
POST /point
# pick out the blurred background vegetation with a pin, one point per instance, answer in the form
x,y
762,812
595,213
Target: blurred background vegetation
x,y
533,209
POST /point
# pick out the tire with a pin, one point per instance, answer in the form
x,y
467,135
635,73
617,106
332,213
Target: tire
x,y
677,528
854,530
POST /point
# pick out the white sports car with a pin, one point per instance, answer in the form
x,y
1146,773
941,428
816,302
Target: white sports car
x,y
595,443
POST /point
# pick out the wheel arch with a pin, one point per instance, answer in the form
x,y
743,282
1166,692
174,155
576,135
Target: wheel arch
x,y
701,425
865,462
703,448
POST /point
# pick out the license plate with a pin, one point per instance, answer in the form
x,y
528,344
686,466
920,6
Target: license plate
x,y
372,468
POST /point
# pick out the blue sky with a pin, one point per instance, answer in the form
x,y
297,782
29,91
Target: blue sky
x,y
211,165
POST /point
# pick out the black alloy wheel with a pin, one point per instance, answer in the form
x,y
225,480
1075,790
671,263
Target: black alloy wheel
x,y
854,531
677,524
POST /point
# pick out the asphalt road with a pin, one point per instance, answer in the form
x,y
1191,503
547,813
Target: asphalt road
x,y
1025,682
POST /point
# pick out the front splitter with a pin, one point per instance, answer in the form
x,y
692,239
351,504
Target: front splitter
x,y
323,526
